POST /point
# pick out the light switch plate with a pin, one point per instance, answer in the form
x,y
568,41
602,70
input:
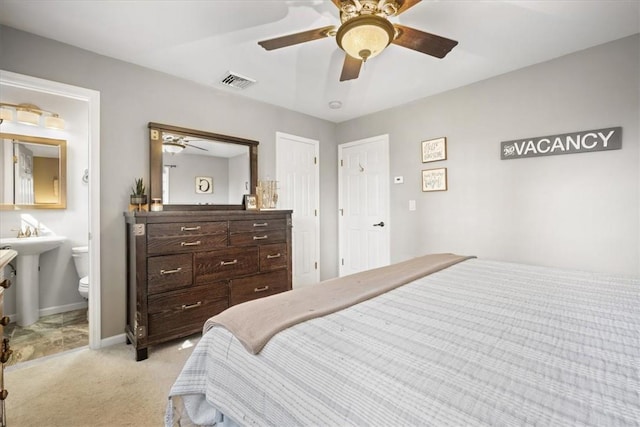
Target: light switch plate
x,y
398,179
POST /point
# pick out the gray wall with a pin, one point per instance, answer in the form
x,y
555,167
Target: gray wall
x,y
575,211
132,96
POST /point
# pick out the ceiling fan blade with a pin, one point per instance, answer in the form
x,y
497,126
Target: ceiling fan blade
x,y
351,68
291,39
406,4
423,42
195,146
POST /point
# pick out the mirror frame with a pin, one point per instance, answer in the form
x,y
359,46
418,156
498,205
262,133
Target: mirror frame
x,y
155,162
62,146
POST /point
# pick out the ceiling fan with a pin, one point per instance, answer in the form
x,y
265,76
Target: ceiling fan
x,y
175,144
365,32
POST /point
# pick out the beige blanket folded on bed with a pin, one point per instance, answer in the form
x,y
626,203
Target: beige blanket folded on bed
x,y
253,323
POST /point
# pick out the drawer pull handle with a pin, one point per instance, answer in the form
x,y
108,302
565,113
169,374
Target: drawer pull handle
x,y
6,283
188,306
263,224
260,237
278,255
5,356
262,289
235,261
177,270
196,228
196,243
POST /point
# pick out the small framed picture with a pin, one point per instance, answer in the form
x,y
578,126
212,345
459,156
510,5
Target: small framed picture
x,y
434,179
204,185
250,202
434,150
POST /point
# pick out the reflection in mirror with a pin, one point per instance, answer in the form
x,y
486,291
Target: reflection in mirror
x,y
33,171
197,168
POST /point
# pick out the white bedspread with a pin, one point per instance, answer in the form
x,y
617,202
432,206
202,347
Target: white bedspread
x,y
480,343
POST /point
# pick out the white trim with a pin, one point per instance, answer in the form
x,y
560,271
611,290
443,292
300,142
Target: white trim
x,y
92,98
113,340
62,308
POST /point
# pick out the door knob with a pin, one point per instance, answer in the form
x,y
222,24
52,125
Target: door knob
x,y
380,224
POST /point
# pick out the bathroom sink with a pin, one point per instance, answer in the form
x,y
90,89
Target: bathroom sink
x,y
32,245
27,278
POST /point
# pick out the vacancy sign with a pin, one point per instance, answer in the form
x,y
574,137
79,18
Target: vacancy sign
x,y
566,143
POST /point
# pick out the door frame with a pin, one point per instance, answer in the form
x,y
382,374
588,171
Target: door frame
x,y
92,99
316,145
341,225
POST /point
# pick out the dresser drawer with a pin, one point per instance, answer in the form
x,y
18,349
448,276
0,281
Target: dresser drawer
x,y
258,237
169,272
186,229
273,257
163,245
256,225
258,286
185,311
221,265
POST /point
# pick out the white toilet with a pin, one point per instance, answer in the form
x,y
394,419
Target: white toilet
x,y
80,256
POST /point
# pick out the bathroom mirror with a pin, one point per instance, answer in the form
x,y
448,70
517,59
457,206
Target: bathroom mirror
x,y
33,171
197,170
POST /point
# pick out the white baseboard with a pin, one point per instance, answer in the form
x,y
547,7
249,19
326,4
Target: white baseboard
x,y
63,308
54,310
116,339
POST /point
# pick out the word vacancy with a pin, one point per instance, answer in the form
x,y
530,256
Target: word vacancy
x,y
566,143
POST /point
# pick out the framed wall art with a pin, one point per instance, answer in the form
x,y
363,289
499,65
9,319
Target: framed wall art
x,y
250,202
434,179
434,150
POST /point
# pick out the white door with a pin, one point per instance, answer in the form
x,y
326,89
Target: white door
x,y
363,186
297,173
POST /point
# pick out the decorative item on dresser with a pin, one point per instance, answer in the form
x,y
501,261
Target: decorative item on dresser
x,y
186,266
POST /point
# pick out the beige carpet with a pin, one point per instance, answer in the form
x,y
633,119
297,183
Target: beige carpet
x,y
105,387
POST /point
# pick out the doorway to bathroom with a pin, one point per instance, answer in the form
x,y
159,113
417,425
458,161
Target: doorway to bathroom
x,y
66,320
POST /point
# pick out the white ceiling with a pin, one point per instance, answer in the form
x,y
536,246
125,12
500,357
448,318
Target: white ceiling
x,y
203,40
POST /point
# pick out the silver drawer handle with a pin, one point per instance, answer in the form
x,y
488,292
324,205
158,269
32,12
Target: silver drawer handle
x,y
262,289
196,243
177,270
264,224
260,237
196,228
188,306
278,255
235,261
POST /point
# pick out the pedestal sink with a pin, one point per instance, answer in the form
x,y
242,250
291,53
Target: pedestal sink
x,y
27,281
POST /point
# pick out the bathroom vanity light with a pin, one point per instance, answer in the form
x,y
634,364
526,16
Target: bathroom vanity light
x,y
30,114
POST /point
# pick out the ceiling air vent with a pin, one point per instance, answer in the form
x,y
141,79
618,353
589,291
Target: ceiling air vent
x,y
237,81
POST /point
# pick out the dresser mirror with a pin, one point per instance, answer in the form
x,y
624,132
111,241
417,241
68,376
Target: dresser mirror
x,y
33,171
198,170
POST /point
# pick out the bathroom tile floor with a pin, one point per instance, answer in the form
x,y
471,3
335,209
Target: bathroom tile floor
x,y
49,335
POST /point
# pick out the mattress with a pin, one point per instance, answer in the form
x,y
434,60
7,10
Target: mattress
x,y
479,343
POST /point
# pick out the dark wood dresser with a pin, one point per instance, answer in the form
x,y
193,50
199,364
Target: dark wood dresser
x,y
186,266
6,255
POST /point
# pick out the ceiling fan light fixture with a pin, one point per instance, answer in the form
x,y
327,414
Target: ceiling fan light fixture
x,y
172,147
365,36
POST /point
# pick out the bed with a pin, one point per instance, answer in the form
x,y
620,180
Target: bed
x,y
479,342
